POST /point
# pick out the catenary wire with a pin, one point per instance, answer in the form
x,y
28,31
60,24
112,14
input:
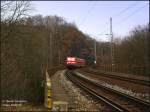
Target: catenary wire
x,y
88,12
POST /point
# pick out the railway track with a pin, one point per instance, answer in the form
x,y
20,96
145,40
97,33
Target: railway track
x,y
116,100
137,81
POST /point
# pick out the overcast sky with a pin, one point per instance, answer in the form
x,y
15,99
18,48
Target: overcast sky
x,y
92,17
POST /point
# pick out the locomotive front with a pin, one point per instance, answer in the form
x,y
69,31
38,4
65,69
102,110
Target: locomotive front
x,y
74,62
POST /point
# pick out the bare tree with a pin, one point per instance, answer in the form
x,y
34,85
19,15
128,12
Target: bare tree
x,y
11,13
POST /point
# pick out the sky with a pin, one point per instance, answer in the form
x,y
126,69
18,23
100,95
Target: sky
x,y
93,17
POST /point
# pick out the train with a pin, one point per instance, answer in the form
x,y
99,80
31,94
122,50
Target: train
x,y
75,62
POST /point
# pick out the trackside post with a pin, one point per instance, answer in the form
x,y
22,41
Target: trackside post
x,y
48,95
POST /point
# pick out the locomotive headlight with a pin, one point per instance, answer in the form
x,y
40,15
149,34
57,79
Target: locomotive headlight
x,y
72,59
69,59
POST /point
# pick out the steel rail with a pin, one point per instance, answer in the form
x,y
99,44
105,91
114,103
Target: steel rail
x,y
114,105
127,97
137,81
144,103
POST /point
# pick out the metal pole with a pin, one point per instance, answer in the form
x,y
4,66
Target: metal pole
x,y
101,54
112,50
50,50
95,52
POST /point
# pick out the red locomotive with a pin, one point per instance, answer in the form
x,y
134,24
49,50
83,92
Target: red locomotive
x,y
74,62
